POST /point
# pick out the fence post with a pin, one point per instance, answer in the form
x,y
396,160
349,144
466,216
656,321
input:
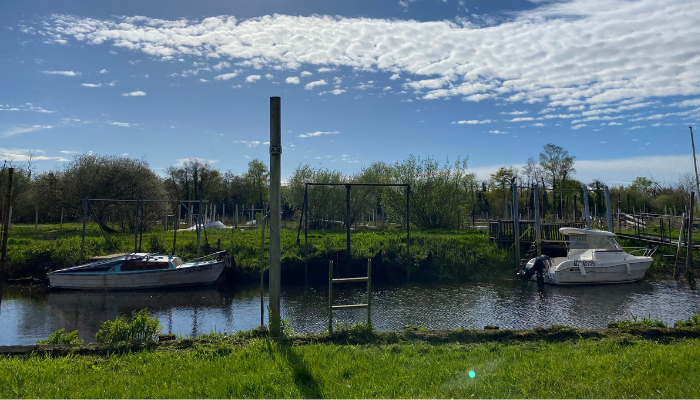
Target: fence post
x,y
408,231
369,292
516,224
176,225
585,207
330,297
82,242
689,256
136,225
608,211
538,235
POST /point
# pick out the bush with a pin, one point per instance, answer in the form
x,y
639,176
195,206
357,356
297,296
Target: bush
x,y
61,337
141,328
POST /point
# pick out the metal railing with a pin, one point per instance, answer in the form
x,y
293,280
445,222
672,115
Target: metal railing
x,y
367,305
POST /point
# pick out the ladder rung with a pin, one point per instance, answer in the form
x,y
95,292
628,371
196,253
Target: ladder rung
x,y
345,280
349,306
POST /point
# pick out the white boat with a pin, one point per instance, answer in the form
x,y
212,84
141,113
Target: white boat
x,y
140,271
593,256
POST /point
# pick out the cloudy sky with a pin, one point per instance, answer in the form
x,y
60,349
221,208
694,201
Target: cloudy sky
x,y
616,83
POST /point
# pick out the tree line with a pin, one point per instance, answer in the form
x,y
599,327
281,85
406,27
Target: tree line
x,y
442,195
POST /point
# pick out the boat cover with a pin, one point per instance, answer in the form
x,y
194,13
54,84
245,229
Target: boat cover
x,y
580,231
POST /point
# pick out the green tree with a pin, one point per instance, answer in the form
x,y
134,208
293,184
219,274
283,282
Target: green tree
x,y
558,165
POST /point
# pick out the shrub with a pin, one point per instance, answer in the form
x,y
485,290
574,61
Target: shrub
x,y
61,337
141,328
634,321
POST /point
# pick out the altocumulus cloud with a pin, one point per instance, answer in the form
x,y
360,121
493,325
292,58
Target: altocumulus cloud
x,y
134,94
537,56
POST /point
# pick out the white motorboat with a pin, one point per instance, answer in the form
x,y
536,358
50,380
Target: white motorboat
x,y
593,256
140,271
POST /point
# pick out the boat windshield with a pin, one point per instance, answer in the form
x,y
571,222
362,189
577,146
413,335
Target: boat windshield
x,y
597,242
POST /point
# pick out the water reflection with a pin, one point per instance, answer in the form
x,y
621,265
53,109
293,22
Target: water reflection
x,y
28,315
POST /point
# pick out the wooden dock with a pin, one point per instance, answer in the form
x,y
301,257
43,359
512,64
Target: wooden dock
x,y
503,231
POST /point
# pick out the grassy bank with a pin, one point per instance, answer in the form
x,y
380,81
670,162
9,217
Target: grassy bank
x,y
434,253
555,363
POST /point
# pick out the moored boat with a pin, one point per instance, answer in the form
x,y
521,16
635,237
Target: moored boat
x,y
140,271
593,256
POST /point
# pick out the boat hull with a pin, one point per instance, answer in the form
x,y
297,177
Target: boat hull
x,y
198,274
567,273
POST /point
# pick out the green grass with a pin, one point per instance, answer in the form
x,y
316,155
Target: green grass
x,y
260,368
434,253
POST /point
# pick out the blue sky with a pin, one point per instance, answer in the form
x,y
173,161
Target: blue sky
x,y
616,83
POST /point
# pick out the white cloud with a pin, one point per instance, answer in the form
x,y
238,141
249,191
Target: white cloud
x,y
497,132
306,73
221,65
687,103
268,76
225,77
547,110
636,127
247,143
475,122
203,80
92,85
122,124
103,71
334,92
317,133
520,119
614,123
252,78
23,155
293,79
514,113
395,77
538,124
68,152
20,130
112,84
536,56
64,73
579,126
134,94
325,69
313,84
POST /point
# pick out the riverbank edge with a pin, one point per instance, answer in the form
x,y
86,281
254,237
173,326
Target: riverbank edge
x,y
365,336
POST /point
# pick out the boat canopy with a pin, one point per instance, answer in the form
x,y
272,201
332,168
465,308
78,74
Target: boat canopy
x,y
580,231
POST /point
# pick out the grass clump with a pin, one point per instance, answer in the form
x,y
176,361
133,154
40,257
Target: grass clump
x,y
693,321
141,328
62,337
634,321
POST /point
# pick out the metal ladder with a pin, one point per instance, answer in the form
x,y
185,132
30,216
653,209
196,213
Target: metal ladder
x,y
331,281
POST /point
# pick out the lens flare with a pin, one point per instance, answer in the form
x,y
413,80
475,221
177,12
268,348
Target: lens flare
x,y
472,374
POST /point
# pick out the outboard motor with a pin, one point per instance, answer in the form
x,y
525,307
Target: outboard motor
x,y
537,266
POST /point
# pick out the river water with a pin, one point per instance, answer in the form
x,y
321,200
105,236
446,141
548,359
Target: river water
x,y
27,315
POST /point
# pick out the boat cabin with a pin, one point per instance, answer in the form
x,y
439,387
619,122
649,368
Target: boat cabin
x,y
590,244
128,263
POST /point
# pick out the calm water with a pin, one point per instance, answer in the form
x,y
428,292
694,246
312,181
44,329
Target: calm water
x,y
28,315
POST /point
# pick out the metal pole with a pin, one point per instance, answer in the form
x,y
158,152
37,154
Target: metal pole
x,y
697,181
678,247
538,236
176,225
136,225
330,296
347,229
262,276
408,231
198,223
608,211
369,292
306,233
516,224
82,242
275,207
689,251
585,207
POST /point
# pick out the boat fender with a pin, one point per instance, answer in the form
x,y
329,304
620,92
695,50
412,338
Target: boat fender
x,y
582,269
629,270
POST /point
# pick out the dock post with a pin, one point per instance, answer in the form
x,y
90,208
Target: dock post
x,y
330,297
538,236
608,211
689,252
516,225
306,231
82,242
369,292
136,225
275,208
678,247
347,228
408,231
199,223
585,207
176,225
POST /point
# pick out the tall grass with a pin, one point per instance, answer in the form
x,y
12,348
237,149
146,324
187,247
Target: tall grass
x,y
263,369
433,254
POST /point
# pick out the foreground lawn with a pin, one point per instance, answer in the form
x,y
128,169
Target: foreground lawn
x,y
608,368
